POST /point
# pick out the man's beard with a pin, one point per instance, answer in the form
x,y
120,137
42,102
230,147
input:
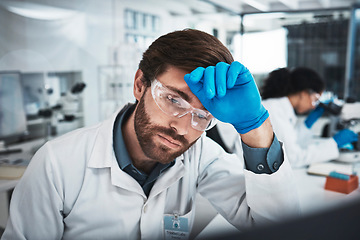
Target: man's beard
x,y
145,132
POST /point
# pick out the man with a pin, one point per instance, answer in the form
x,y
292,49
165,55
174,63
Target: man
x,y
136,175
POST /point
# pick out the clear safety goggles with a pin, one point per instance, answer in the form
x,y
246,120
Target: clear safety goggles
x,y
315,98
173,105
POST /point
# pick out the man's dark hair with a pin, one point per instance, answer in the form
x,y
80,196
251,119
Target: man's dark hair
x,y
283,82
186,49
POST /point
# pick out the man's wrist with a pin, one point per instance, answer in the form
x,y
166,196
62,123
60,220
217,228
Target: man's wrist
x,y
260,137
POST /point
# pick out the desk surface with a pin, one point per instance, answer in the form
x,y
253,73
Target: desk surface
x,y
312,195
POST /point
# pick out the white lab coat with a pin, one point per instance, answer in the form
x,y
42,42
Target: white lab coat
x,y
230,137
300,146
74,189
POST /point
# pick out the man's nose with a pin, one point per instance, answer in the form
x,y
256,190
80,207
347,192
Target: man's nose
x,y
181,125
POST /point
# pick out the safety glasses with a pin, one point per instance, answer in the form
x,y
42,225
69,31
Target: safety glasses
x,y
173,105
314,96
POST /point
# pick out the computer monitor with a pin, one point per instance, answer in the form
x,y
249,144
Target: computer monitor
x,y
340,222
13,125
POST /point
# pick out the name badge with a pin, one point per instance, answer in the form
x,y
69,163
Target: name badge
x,y
176,227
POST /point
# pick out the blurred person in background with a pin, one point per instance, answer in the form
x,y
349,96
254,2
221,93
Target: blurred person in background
x,y
285,94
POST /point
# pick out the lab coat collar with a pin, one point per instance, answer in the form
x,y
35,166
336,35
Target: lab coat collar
x,y
103,156
103,153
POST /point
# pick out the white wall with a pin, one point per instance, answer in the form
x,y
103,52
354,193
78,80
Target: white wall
x,y
82,35
262,52
74,43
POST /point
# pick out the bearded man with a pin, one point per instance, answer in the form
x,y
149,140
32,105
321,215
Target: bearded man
x,y
137,174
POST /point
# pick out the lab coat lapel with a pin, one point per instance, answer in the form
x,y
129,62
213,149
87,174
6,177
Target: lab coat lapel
x,y
103,153
103,156
123,180
171,176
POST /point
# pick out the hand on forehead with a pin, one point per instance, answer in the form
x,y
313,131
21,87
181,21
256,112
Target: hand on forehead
x,y
173,79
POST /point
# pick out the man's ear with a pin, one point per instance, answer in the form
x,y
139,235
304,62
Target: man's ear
x,y
139,87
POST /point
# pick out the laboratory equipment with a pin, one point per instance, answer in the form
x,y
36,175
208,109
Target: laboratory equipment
x,y
13,124
350,118
70,101
345,116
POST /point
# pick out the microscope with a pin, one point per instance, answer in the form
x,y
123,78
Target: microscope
x,y
344,115
70,101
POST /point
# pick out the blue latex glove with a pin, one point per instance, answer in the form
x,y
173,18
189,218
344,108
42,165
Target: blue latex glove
x,y
344,137
230,94
314,116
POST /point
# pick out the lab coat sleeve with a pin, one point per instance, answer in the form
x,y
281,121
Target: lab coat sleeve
x,y
302,148
243,197
36,205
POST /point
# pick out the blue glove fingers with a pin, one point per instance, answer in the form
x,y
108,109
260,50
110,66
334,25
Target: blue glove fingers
x,y
349,135
239,104
244,75
353,136
233,73
209,82
314,116
345,136
193,80
196,75
221,78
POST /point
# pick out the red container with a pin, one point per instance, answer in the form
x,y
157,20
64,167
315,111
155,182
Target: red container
x,y
340,185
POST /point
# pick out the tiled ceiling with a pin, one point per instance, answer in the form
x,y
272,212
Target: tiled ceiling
x,y
262,15
255,6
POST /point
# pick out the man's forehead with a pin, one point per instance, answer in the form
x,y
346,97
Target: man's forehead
x,y
173,79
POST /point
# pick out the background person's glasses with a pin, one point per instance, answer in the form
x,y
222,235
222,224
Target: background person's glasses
x,y
314,96
172,104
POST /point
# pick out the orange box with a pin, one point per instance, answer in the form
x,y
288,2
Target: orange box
x,y
340,185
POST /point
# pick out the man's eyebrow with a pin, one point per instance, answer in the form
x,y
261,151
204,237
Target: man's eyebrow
x,y
185,96
181,93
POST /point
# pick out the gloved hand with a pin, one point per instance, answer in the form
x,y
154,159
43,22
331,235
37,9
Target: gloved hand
x,y
345,136
314,116
230,94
